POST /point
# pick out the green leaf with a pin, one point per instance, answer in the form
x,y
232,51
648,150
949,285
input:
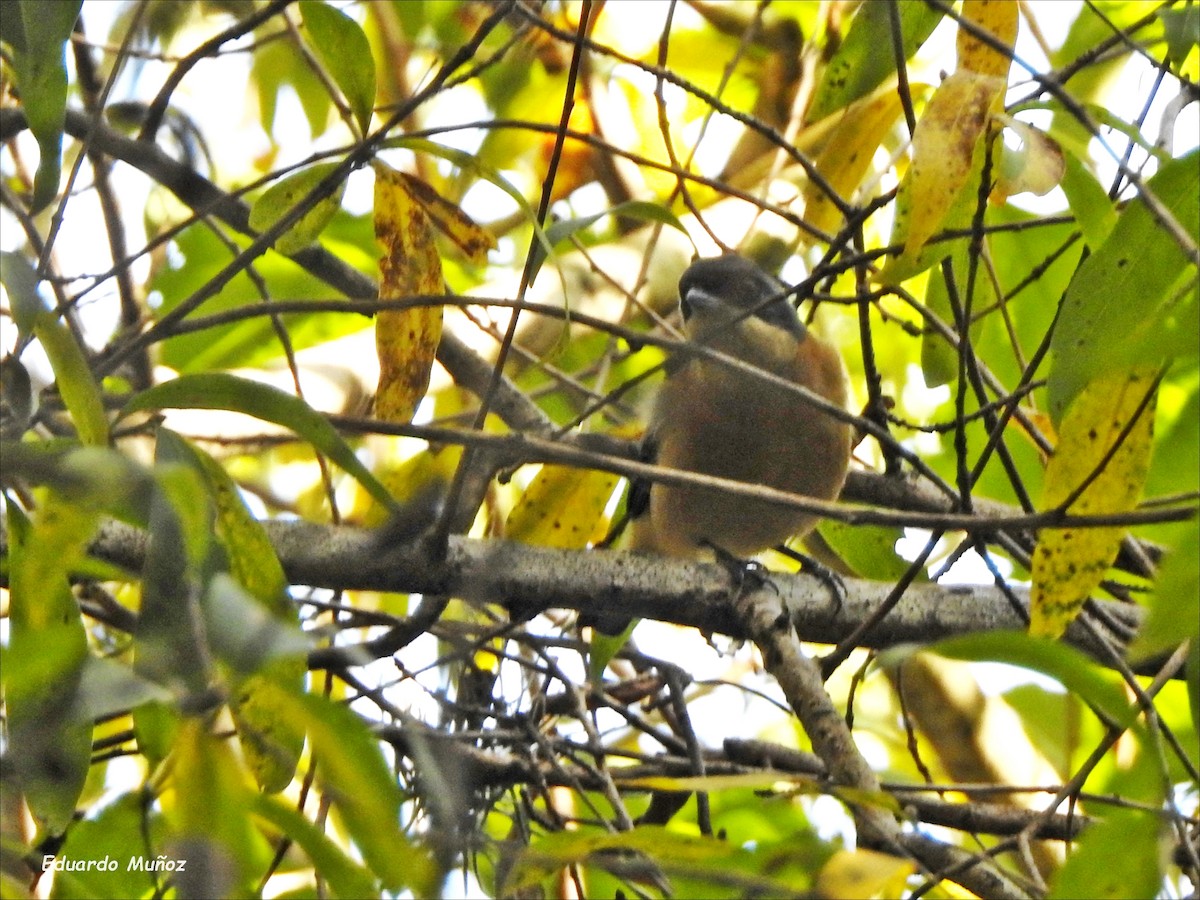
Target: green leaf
x,y
49,747
211,818
1093,211
865,57
277,65
355,776
1174,614
76,384
241,632
20,282
118,832
1117,858
38,33
1182,28
346,877
109,687
281,197
219,390
169,647
869,550
252,625
1073,669
344,51
1128,302
250,342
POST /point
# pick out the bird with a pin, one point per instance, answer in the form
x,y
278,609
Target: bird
x,y
715,420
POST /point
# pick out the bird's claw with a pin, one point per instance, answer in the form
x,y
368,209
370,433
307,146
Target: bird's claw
x,y
742,572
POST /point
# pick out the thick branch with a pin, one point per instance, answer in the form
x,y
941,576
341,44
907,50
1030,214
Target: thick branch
x,y
767,619
527,579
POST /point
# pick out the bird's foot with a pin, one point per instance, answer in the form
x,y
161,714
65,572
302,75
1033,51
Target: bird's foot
x,y
826,575
744,573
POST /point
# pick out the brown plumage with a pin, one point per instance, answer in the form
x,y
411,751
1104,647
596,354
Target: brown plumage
x,y
712,419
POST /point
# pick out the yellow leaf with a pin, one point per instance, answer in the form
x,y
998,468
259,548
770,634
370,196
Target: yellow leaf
x,y
847,154
405,339
863,873
562,507
950,139
473,240
999,19
1068,563
947,160
405,480
1037,166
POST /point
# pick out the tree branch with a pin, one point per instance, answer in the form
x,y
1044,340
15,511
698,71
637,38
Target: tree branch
x,y
527,579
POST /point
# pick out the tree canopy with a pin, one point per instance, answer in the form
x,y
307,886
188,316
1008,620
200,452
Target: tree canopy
x,y
330,331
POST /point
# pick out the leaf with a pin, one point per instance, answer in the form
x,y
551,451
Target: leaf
x,y
346,877
939,359
78,387
243,634
256,612
948,149
108,687
1174,613
169,645
211,815
1182,29
864,873
38,33
279,199
999,19
254,340
1093,210
950,140
864,60
113,834
1098,687
20,283
1128,302
847,154
219,390
406,340
869,550
562,507
344,51
49,746
74,377
1116,858
1068,563
277,65
354,775
471,239
1037,167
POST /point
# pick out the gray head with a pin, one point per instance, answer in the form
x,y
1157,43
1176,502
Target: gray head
x,y
729,285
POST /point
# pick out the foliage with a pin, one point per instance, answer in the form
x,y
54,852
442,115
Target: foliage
x,y
328,330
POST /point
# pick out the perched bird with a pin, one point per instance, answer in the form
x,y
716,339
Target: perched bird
x,y
715,420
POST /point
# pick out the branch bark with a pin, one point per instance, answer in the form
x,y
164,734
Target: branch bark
x,y
527,579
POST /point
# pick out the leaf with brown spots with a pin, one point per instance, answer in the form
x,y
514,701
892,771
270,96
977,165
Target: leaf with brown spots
x,y
406,340
950,141
1068,563
562,507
